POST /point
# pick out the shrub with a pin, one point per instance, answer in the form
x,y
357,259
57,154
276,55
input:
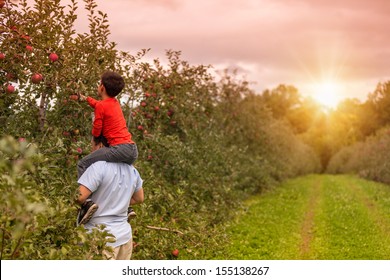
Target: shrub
x,y
369,159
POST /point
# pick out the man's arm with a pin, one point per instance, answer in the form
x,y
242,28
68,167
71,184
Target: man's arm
x,y
84,193
138,197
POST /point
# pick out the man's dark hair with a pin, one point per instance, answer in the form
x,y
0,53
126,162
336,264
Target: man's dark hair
x,y
113,83
101,139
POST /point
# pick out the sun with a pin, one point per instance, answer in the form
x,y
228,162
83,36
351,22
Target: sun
x,y
327,94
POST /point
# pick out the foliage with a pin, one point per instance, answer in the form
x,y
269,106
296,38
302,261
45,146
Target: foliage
x,y
368,158
33,224
379,101
353,121
205,143
327,132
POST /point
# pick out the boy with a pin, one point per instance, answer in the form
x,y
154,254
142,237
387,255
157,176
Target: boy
x,y
110,123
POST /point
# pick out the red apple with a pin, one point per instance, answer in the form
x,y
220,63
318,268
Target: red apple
x,y
25,37
53,57
29,48
175,253
140,127
170,113
74,97
9,76
10,88
36,78
2,56
143,104
147,94
156,108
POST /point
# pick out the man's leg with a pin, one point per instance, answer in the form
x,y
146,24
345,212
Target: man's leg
x,y
125,251
122,252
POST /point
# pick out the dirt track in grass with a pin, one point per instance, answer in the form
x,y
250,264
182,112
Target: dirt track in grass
x,y
315,217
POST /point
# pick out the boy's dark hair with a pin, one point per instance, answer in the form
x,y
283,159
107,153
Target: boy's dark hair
x,y
113,83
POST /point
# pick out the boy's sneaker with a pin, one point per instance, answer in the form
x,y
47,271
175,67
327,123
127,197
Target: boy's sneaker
x,y
130,213
86,211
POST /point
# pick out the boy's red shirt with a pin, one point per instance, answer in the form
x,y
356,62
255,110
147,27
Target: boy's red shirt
x,y
109,121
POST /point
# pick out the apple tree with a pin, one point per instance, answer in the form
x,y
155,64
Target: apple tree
x,y
44,62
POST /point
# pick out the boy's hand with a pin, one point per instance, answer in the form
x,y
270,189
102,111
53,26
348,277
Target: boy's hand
x,y
82,97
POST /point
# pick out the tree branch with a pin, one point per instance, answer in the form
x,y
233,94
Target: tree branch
x,y
165,229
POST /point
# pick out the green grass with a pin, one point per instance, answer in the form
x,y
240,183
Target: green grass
x,y
270,227
314,217
346,226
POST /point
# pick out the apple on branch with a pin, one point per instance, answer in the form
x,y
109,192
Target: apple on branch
x,y
53,57
36,78
74,97
10,88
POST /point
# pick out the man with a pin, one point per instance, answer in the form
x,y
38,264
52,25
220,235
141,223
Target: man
x,y
113,186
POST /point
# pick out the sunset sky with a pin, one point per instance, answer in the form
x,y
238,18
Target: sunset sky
x,y
341,46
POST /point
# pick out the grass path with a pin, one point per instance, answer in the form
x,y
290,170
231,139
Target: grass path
x,y
315,217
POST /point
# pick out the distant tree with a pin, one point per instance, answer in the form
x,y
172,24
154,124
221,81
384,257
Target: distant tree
x,y
302,117
281,100
379,102
369,119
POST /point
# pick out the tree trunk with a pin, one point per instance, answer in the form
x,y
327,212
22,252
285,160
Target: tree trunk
x,y
42,111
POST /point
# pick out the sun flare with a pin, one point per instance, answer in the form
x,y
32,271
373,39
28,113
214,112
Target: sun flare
x,y
327,94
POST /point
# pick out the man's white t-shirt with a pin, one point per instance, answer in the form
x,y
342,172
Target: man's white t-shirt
x,y
112,185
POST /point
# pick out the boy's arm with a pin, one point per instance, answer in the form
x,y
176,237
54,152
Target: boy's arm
x,y
98,121
91,101
97,128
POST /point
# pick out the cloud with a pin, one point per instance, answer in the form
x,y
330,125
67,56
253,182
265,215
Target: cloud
x,y
270,41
